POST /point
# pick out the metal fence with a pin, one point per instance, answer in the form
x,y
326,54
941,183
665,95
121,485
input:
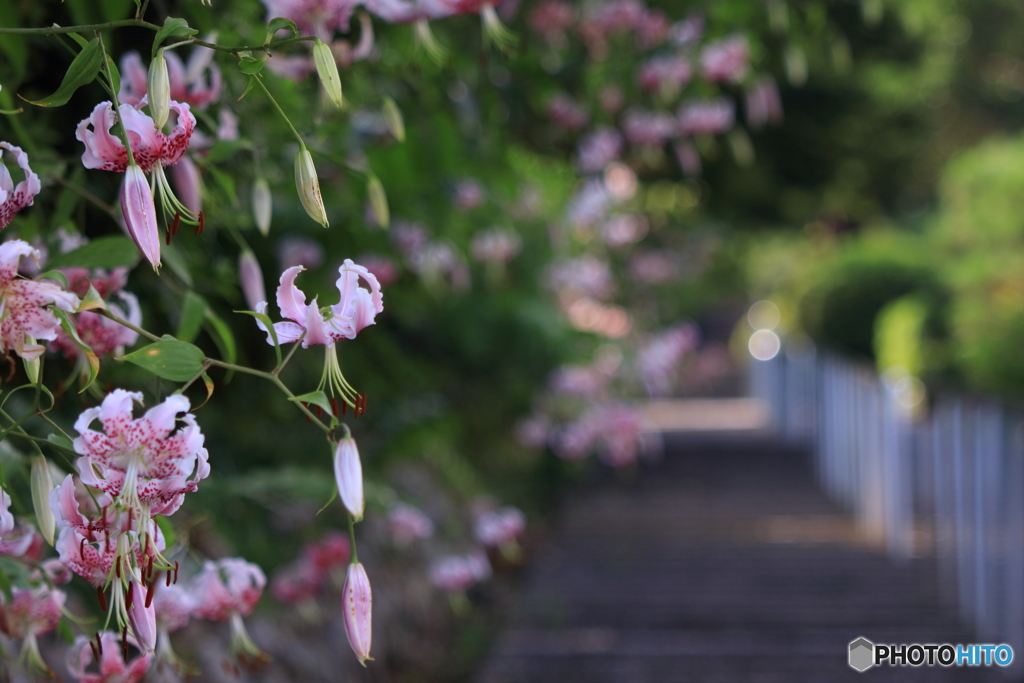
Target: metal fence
x,y
946,480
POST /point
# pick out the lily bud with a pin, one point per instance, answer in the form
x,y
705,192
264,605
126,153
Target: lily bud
x,y
358,611
378,201
262,205
158,90
189,184
348,472
41,485
327,70
393,116
308,186
251,277
139,213
142,619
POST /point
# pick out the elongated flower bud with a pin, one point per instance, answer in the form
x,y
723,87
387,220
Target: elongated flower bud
x,y
358,611
158,90
142,619
140,213
251,277
327,70
308,186
41,485
262,205
348,472
378,201
189,184
393,115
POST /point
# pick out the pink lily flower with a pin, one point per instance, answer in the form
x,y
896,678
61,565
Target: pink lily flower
x,y
407,524
458,573
229,589
250,275
726,59
31,613
173,605
24,319
358,611
139,212
15,198
498,527
356,310
16,537
197,83
706,117
113,667
103,335
140,462
150,146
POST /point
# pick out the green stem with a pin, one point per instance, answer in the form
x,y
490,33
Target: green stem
x,y
117,103
88,196
55,426
352,537
288,357
84,28
302,144
121,321
272,378
253,48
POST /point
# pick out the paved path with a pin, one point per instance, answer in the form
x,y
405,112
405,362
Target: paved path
x,y
721,564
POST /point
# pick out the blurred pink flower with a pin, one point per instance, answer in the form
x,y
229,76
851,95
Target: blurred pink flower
x,y
726,59
469,194
299,251
495,528
31,611
198,82
113,668
407,524
383,268
654,267
567,113
764,105
534,430
658,360
14,198
599,148
225,587
457,573
648,128
706,117
551,19
686,32
103,335
26,318
667,74
320,18
496,245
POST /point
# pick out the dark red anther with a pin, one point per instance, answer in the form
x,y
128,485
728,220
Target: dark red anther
x,y
81,548
150,592
175,224
344,407
167,235
117,566
364,402
130,599
201,226
103,599
124,642
306,406
319,411
95,654
167,580
334,405
175,571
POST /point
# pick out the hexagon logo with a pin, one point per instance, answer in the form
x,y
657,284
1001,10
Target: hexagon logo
x,y
862,654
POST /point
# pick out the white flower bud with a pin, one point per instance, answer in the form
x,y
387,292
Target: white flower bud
x,y
158,90
348,474
262,205
393,116
41,485
308,186
378,201
327,70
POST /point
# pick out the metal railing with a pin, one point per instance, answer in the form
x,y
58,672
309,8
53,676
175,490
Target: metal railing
x,y
947,480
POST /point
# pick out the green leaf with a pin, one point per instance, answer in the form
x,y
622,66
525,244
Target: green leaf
x,y
317,398
56,276
170,359
280,24
83,70
115,75
68,325
250,65
105,252
224,150
173,28
334,494
5,586
269,324
167,528
64,629
60,441
208,383
13,46
248,86
192,311
222,336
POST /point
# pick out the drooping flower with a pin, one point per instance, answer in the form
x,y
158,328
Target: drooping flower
x,y
666,74
358,611
15,198
30,613
173,606
312,325
24,318
250,275
227,590
706,117
320,18
112,663
458,573
139,212
140,462
150,146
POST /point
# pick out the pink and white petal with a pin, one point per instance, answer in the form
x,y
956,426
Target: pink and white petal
x,y
65,506
133,78
316,329
147,142
177,142
102,150
364,311
290,299
52,293
116,411
287,333
176,76
161,417
28,188
11,253
6,518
